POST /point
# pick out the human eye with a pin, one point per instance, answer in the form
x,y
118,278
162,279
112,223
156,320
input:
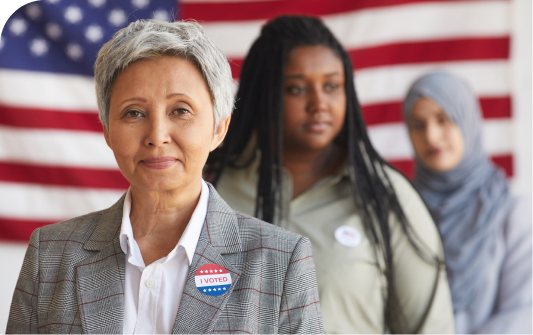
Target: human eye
x,y
330,87
417,125
182,112
295,90
133,114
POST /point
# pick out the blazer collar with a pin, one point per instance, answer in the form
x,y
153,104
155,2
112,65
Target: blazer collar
x,y
199,312
105,271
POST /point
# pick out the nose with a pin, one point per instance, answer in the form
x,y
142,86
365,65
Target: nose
x,y
433,133
158,130
317,100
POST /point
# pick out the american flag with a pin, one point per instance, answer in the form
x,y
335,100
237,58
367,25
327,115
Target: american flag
x,y
54,163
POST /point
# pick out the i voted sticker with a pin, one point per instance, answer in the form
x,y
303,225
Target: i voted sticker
x,y
212,279
348,236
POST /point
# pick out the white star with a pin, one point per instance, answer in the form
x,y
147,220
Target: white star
x,y
117,17
53,30
215,271
73,14
211,271
224,288
209,290
74,51
205,290
97,3
18,26
140,3
39,47
94,33
161,15
201,271
33,11
219,288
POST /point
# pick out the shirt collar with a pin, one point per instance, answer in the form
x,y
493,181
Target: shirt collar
x,y
188,240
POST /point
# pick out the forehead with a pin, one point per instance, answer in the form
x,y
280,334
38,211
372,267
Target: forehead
x,y
313,60
163,75
426,108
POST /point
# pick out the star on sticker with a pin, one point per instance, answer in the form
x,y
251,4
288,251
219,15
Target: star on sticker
x,y
219,288
18,26
33,10
215,271
94,33
201,271
224,288
211,271
117,17
39,47
75,52
205,290
209,290
73,14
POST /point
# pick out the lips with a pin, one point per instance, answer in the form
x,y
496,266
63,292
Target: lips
x,y
317,126
159,162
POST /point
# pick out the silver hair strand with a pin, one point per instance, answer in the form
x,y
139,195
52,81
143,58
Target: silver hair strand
x,y
149,39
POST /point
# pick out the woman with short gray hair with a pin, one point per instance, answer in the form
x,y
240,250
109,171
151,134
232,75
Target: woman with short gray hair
x,y
170,256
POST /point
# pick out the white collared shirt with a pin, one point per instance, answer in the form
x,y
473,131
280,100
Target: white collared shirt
x,y
152,293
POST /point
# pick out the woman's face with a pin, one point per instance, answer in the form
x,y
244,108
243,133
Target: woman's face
x,y
437,140
161,124
314,100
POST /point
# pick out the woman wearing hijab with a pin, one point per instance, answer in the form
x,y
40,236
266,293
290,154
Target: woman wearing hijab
x,y
298,155
485,229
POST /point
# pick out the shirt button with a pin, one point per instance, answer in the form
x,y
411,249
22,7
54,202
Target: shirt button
x,y
150,283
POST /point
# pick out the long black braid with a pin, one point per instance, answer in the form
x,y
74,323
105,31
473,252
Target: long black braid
x,y
259,110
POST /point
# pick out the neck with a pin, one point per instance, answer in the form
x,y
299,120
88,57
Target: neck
x,y
158,219
308,166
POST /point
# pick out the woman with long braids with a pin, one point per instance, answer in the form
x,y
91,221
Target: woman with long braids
x,y
297,155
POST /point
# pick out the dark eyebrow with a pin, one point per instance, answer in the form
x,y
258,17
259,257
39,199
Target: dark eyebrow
x,y
300,76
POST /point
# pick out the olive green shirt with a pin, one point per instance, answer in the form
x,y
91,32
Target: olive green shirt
x,y
351,284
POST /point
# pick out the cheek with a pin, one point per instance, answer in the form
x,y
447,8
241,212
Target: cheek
x,y
456,142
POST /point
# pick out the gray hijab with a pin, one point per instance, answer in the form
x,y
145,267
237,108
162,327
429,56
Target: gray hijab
x,y
469,202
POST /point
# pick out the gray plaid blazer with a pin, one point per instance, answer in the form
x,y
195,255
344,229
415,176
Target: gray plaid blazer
x,y
72,278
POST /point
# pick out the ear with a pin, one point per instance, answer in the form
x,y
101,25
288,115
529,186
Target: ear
x,y
106,136
220,133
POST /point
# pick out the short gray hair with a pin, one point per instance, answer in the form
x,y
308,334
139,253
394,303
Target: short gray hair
x,y
149,39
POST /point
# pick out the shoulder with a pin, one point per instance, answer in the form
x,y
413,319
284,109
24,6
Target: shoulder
x,y
79,228
252,229
518,224
415,211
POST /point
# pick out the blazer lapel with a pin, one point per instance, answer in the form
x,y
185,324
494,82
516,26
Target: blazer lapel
x,y
198,312
100,278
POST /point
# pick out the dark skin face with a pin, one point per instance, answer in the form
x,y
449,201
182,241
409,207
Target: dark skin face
x,y
314,104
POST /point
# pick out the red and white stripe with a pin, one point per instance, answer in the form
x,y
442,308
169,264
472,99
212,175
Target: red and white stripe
x,y
54,163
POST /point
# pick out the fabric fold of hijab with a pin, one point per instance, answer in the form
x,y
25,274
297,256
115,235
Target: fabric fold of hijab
x,y
468,202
